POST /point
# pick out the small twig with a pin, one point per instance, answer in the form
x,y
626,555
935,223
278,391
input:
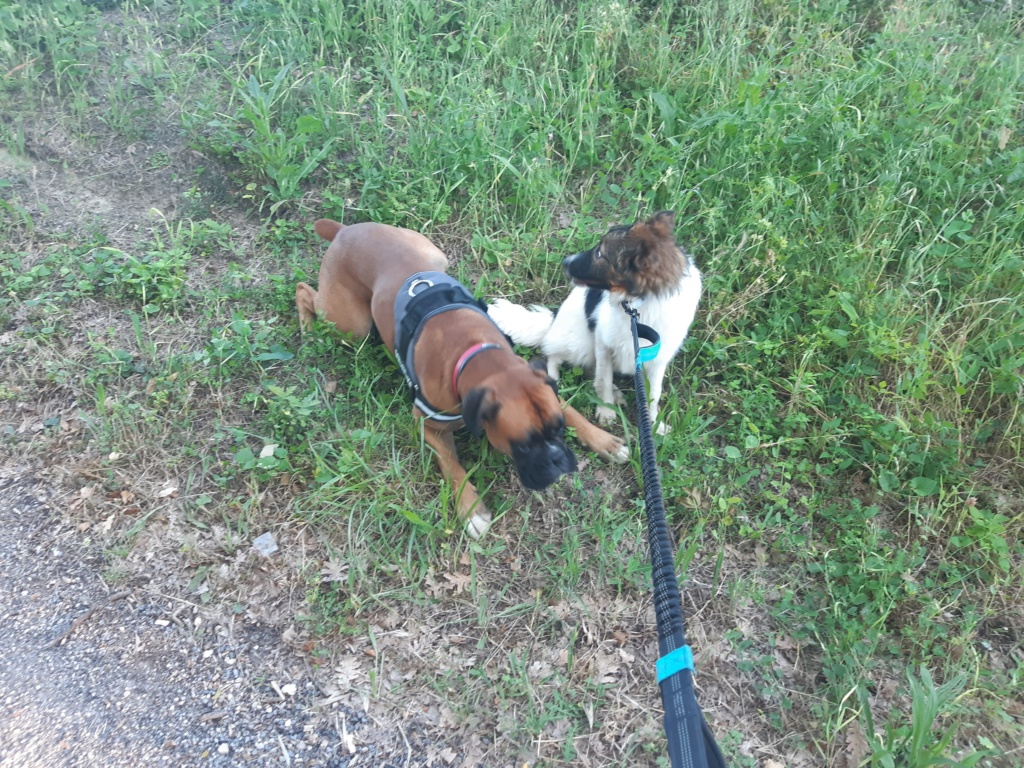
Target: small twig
x,y
408,749
74,625
287,757
85,617
21,66
170,597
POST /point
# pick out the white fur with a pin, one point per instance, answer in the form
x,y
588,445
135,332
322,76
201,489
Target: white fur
x,y
477,526
608,349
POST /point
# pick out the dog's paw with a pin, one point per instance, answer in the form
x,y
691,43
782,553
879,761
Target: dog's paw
x,y
478,524
606,415
663,429
614,450
617,397
620,455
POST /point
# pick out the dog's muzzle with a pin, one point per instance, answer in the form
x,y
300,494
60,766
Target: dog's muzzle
x,y
540,462
579,269
568,261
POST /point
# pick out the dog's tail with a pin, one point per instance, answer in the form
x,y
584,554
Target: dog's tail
x,y
524,325
327,229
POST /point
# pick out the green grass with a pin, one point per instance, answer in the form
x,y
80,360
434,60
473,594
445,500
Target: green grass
x,y
846,468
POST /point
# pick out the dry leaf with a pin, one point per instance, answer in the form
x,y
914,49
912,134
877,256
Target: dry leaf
x,y
334,570
434,587
857,747
606,668
268,450
169,491
346,672
1004,136
539,670
458,581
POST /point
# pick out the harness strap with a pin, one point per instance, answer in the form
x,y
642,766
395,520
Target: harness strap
x,y
423,296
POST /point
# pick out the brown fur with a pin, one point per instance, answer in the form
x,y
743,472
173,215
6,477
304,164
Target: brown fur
x,y
513,403
639,260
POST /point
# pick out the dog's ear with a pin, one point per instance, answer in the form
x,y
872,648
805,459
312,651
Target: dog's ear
x,y
478,407
540,368
326,228
663,224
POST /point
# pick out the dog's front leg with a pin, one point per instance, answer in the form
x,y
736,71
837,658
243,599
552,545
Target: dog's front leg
x,y
604,370
607,446
470,509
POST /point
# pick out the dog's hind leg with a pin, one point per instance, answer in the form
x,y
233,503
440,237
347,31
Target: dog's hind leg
x,y
470,509
305,300
338,304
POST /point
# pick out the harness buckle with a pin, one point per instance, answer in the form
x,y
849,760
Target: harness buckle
x,y
421,281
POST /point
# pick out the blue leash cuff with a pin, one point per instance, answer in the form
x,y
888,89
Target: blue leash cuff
x,y
648,353
675,661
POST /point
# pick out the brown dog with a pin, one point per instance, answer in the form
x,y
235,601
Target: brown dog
x,y
461,365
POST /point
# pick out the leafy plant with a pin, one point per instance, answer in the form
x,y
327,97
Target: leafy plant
x,y
155,279
915,745
285,156
289,415
243,342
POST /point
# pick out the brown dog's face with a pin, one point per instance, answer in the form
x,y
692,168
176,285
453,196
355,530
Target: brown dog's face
x,y
637,260
520,413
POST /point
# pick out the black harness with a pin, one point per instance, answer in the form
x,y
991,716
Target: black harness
x,y
422,296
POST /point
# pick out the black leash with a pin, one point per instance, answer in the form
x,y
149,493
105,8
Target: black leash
x,y
691,744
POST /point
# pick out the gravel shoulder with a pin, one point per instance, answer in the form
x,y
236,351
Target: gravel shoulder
x,y
98,674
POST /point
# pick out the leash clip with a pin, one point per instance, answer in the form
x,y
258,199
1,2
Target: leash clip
x,y
645,332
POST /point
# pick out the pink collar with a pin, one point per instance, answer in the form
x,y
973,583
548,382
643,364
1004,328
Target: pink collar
x,y
468,355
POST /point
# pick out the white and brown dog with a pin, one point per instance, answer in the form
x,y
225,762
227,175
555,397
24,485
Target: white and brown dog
x,y
460,366
640,264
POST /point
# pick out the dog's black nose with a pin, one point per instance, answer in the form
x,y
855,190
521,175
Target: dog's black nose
x,y
561,457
